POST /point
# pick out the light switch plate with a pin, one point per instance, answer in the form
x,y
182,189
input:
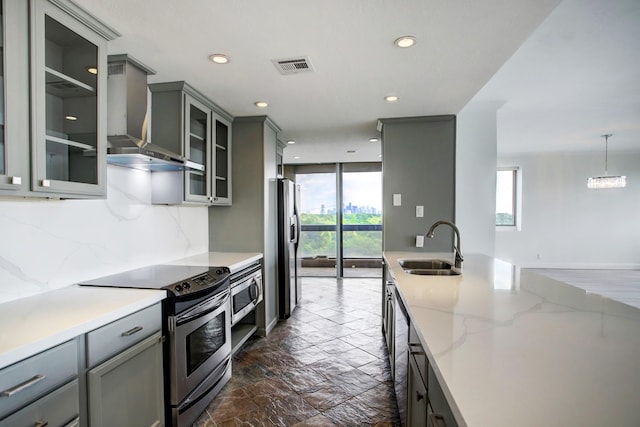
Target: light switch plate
x,y
397,199
419,241
419,211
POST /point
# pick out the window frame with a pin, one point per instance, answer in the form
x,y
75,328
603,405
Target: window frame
x,y
515,199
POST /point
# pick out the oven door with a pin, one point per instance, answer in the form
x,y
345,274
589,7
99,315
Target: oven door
x,y
245,296
199,340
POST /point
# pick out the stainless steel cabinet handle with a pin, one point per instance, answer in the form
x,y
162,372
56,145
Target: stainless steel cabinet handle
x,y
41,424
418,348
26,384
132,331
437,420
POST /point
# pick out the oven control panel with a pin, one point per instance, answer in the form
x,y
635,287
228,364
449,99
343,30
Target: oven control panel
x,y
216,277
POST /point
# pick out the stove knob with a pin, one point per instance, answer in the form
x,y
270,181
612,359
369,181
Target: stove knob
x,y
178,288
219,271
186,285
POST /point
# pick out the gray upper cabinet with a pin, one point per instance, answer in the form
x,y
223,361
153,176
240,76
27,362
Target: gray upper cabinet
x,y
68,100
221,161
14,78
186,122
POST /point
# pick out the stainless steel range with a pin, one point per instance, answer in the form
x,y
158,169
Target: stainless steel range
x,y
197,327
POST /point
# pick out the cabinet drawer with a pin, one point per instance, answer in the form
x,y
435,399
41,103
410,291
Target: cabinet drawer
x,y
441,415
417,351
111,339
25,381
57,409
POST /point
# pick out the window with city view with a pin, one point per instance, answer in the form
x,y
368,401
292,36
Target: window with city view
x,y
361,218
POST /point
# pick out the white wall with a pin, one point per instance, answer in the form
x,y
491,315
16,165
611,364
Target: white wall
x,y
476,179
48,244
564,224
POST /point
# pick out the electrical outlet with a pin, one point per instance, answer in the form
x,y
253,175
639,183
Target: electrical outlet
x,y
419,241
397,199
419,211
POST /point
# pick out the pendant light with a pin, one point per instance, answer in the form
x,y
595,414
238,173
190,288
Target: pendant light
x,y
606,181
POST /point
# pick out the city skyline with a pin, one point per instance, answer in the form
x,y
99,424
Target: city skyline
x,y
361,190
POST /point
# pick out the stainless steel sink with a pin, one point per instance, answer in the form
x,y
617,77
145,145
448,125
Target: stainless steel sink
x,y
428,267
435,272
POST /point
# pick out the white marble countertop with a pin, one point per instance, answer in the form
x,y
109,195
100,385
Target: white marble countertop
x,y
38,322
513,348
35,323
234,260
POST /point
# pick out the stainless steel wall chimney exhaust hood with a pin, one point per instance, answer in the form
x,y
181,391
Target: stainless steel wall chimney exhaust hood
x,y
127,120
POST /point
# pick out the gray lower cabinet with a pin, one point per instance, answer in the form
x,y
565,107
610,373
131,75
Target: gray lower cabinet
x,y
426,403
41,389
60,408
439,412
416,397
127,390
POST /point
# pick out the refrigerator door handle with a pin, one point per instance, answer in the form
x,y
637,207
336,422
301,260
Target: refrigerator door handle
x,y
298,228
293,233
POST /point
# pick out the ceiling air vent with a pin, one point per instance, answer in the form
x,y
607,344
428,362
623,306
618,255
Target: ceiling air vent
x,y
293,65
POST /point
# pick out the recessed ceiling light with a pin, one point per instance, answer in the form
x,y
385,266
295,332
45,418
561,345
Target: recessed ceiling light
x,y
92,70
373,139
380,155
72,118
291,142
391,98
296,157
261,104
405,41
219,58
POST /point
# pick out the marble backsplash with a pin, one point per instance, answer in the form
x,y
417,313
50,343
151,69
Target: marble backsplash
x,y
48,244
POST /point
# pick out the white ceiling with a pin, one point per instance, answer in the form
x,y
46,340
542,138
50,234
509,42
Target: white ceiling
x,y
577,77
460,46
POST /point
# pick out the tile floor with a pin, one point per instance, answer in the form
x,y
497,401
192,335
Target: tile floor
x,y
325,366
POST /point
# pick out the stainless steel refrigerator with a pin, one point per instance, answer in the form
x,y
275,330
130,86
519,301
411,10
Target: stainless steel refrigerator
x,y
289,292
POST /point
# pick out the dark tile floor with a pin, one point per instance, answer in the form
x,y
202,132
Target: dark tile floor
x,y
325,366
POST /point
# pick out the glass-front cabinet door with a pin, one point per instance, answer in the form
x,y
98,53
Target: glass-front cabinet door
x,y
68,104
14,89
197,148
222,161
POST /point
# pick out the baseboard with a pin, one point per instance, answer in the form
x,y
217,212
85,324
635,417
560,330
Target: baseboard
x,y
263,332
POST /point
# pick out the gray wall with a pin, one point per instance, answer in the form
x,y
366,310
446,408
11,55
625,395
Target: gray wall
x,y
418,162
249,225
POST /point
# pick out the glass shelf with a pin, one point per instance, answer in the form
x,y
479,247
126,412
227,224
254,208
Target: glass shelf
x,y
69,142
63,86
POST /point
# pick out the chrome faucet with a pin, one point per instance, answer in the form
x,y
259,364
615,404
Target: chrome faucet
x,y
456,249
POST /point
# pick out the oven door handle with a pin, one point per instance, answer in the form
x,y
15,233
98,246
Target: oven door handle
x,y
203,308
255,290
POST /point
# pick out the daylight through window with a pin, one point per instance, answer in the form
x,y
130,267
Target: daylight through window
x,y
506,185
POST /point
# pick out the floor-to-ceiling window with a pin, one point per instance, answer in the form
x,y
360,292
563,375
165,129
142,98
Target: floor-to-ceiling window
x,y
361,220
341,219
318,219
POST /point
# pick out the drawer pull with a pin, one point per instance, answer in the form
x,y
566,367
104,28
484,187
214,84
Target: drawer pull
x,y
41,424
132,331
26,384
419,396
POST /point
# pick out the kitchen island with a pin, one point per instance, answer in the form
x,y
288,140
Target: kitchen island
x,y
510,347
